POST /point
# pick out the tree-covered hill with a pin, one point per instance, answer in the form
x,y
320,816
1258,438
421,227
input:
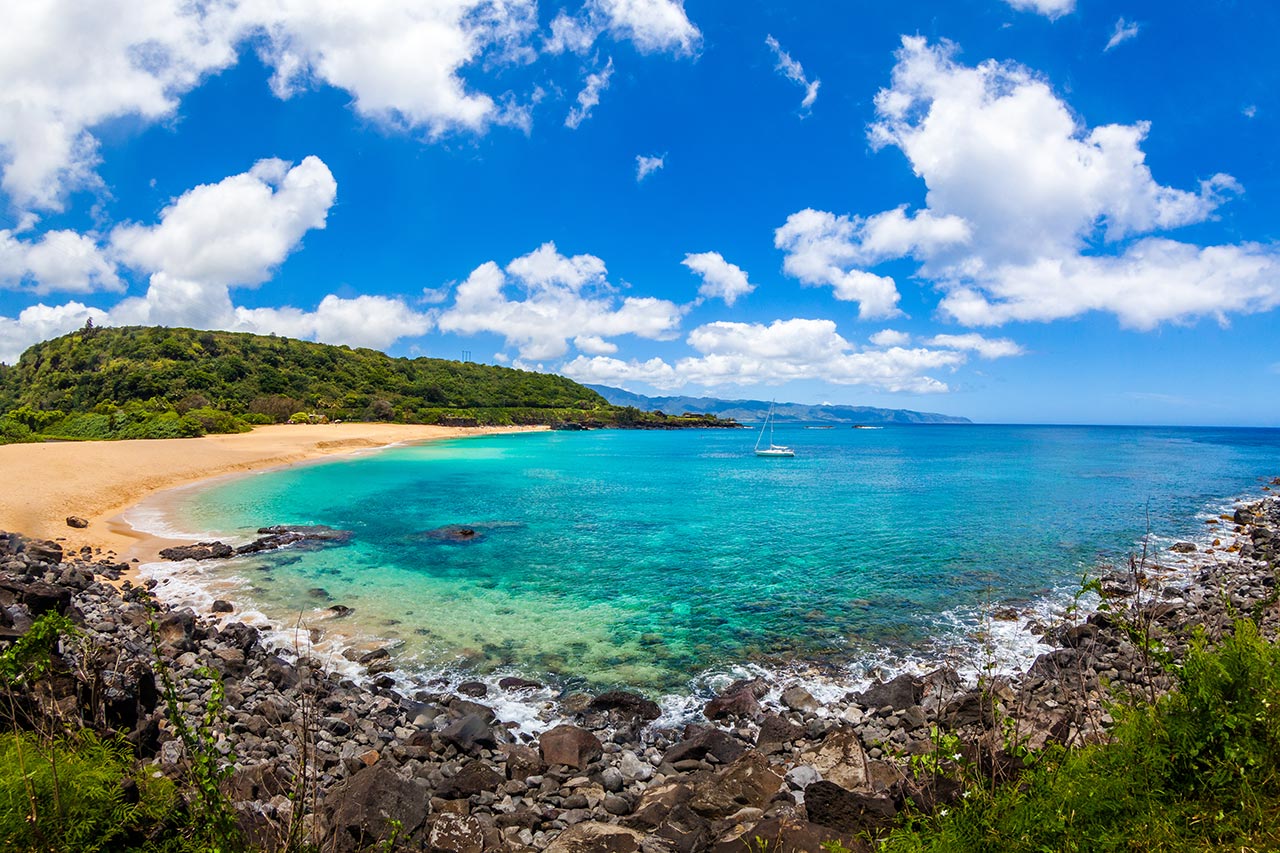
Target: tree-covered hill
x,y
141,382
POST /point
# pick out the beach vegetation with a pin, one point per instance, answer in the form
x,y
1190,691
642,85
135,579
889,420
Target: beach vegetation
x,y
153,382
1197,769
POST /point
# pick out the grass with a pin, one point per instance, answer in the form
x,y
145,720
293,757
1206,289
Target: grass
x,y
1197,770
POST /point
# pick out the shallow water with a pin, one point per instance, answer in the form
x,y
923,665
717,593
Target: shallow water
x,y
651,558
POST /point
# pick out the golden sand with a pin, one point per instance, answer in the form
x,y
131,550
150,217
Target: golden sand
x,y
42,484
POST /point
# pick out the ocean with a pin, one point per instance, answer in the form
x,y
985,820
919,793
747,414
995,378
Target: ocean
x,y
662,561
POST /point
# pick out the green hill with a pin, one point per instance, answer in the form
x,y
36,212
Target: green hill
x,y
153,382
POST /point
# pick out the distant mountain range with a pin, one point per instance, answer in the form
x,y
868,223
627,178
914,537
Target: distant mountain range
x,y
755,410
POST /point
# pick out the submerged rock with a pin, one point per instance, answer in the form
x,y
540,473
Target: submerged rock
x,y
454,533
285,535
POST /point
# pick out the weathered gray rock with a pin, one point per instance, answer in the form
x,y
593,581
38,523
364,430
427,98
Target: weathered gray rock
x,y
359,813
840,758
596,837
748,782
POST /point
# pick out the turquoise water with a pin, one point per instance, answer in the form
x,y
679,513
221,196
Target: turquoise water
x,y
649,558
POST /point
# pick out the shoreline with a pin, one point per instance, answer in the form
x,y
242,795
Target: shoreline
x,y
100,481
768,759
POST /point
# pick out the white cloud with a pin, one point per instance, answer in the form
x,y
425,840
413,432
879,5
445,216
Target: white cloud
x,y
561,299
60,261
41,322
213,237
988,348
794,72
66,67
820,249
646,166
234,232
785,350
401,60
1052,9
590,95
1124,31
1249,110
890,338
720,279
363,321
651,25
1154,281
1030,215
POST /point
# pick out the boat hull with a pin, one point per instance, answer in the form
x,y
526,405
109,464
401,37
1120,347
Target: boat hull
x,y
776,452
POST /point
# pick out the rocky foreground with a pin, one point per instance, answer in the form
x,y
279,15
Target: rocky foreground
x,y
362,763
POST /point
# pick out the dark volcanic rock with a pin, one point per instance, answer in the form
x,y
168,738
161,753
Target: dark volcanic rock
x,y
454,533
511,682
358,814
77,522
469,733
284,535
470,780
738,703
570,746
902,692
474,689
706,741
746,783
844,811
199,551
41,597
630,705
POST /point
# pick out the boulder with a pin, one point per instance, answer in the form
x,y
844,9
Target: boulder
x,y
358,814
624,704
454,833
786,834
798,699
41,598
474,689
840,758
846,812
706,741
570,746
595,837
775,731
511,682
44,551
748,782
740,703
469,733
902,692
199,551
469,781
77,522
657,802
221,606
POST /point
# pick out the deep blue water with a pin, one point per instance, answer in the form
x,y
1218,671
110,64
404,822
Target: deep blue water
x,y
648,558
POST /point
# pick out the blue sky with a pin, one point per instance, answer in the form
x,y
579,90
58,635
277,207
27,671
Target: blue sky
x,y
1012,210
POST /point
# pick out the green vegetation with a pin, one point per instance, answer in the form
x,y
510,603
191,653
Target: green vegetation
x,y
1197,770
153,382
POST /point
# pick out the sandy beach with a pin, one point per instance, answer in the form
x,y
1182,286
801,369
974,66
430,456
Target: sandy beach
x,y
99,480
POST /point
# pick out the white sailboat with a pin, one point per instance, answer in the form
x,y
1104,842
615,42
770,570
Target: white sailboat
x,y
773,449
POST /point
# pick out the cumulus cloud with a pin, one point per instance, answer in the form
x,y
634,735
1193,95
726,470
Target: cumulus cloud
x,y
651,25
400,60
1123,31
720,279
559,299
212,238
782,351
794,72
1030,214
589,97
59,261
363,321
234,232
646,166
1052,9
66,67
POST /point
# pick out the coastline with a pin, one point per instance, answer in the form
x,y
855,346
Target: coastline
x,y
100,480
767,760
